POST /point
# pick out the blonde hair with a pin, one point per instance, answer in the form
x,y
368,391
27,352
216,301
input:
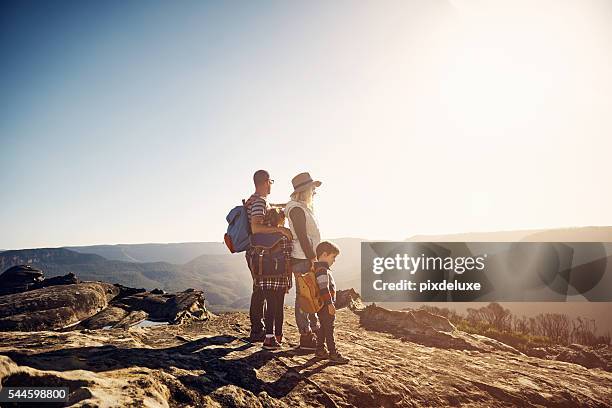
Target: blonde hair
x,y
304,196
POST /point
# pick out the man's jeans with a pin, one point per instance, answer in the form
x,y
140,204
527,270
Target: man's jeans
x,y
257,310
306,322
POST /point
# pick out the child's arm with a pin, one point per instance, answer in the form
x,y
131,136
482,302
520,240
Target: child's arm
x,y
323,282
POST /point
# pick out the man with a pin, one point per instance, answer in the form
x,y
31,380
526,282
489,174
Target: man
x,y
256,207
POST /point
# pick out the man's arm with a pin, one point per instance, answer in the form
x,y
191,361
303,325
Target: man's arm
x,y
298,219
278,205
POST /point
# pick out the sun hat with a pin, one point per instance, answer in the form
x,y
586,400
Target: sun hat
x,y
303,181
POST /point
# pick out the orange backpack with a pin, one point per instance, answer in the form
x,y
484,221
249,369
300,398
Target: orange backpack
x,y
308,292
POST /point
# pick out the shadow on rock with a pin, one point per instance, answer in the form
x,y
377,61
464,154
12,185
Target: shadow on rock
x,y
206,354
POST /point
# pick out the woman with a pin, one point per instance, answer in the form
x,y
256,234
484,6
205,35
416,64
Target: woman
x,y
306,237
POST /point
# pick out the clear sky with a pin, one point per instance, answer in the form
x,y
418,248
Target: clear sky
x,y
132,122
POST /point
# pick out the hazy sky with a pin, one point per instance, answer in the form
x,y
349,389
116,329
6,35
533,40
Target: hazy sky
x,y
133,122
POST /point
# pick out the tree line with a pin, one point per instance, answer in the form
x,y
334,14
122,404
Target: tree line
x,y
548,327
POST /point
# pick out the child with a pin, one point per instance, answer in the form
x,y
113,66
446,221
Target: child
x,y
326,255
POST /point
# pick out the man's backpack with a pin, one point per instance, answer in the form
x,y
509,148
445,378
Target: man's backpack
x,y
307,292
239,229
269,256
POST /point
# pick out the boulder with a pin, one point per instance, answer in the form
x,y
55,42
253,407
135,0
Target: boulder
x,y
583,355
68,279
423,327
348,298
173,308
22,278
54,307
131,319
105,318
19,278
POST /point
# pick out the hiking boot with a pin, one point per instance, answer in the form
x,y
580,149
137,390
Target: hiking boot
x,y
338,358
321,353
270,343
257,337
308,342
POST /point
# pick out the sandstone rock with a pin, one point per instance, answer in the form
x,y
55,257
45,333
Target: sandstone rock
x,y
109,316
55,306
174,308
405,322
131,319
348,298
206,363
426,328
59,304
583,355
127,291
537,352
68,279
19,278
91,389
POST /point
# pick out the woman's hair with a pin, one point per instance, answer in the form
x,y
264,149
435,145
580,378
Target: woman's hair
x,y
304,196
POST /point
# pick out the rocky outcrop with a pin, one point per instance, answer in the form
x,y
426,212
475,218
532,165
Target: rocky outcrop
x,y
209,363
95,305
129,310
174,308
426,328
348,298
108,317
398,358
584,356
22,278
599,356
19,279
54,307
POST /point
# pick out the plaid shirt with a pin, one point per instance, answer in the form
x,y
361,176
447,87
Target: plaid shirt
x,y
285,282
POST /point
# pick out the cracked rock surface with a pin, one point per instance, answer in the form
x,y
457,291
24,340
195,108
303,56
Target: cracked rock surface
x,y
209,363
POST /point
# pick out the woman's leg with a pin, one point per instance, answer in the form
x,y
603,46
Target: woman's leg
x,y
301,318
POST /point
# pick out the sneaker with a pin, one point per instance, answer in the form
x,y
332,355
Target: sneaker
x,y
257,337
321,353
308,342
270,343
338,358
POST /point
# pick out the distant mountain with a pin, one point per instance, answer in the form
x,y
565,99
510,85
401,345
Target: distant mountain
x,y
59,261
176,253
226,280
578,234
224,277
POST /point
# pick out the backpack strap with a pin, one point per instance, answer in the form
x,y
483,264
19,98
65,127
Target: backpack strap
x,y
246,203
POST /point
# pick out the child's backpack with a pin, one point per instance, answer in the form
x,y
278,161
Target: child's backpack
x,y
269,256
307,292
239,230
